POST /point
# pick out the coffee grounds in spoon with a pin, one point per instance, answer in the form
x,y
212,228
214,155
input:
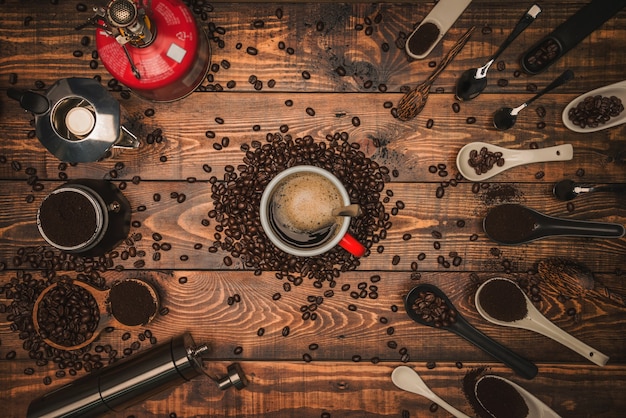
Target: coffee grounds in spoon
x,y
131,303
423,38
501,399
510,223
503,300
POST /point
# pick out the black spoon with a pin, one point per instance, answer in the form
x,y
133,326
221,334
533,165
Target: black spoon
x,y
473,81
462,328
568,189
505,117
516,224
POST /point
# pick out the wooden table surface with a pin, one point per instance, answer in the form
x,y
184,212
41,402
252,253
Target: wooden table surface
x,y
348,374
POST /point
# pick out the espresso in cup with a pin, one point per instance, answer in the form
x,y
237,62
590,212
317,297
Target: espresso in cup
x,y
297,212
300,210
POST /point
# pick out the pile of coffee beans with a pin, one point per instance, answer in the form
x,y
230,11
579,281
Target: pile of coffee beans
x,y
237,201
22,290
67,314
433,309
484,160
594,111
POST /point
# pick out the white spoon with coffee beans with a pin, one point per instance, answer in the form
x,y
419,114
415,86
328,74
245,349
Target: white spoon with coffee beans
x,y
526,317
511,158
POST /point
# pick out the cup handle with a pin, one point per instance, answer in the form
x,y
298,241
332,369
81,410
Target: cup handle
x,y
350,244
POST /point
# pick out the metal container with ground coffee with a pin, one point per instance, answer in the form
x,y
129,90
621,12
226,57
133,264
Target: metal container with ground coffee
x,y
132,380
84,216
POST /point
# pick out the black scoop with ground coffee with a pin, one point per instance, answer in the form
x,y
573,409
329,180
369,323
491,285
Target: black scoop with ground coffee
x,y
516,224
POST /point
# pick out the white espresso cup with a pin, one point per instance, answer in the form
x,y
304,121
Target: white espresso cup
x,y
296,209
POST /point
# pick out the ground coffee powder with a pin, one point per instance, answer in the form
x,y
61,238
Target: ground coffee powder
x,y
501,399
68,218
131,303
423,38
503,300
509,223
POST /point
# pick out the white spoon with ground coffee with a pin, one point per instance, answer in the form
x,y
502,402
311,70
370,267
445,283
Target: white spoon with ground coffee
x,y
478,161
407,379
502,398
500,301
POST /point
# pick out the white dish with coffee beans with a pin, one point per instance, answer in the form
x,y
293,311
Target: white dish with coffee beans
x,y
616,96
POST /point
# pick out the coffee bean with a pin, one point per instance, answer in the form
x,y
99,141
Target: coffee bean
x,y
456,108
486,30
310,111
285,331
429,123
252,50
470,120
356,121
306,75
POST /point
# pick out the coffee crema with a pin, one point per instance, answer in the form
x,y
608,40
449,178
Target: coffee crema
x,y
303,203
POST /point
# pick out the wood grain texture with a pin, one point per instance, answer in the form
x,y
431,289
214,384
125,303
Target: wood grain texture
x,y
350,365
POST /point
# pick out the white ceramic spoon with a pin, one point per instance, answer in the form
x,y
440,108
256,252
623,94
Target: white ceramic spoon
x,y
443,15
535,321
407,379
536,408
616,89
512,158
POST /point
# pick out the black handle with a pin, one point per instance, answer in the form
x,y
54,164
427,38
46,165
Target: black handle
x,y
573,227
566,76
617,188
29,100
518,364
522,24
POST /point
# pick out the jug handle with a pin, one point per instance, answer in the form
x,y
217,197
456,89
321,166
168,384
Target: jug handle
x,y
29,100
127,139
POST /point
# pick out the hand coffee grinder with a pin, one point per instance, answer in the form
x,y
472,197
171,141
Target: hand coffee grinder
x,y
155,49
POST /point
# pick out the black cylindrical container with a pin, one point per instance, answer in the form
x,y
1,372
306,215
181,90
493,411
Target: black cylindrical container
x,y
125,383
84,216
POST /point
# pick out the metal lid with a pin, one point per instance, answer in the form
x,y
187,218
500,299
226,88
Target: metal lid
x,y
83,121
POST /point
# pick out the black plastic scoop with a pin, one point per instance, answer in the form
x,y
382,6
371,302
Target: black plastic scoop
x,y
568,189
473,81
459,326
505,117
516,224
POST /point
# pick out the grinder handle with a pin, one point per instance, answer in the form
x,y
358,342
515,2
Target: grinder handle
x,y
29,100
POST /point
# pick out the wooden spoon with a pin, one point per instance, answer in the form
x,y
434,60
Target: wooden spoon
x,y
106,318
414,101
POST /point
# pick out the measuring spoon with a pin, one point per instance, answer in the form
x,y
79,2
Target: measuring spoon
x,y
535,321
407,379
536,408
505,117
107,319
512,158
511,223
473,81
462,328
568,189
